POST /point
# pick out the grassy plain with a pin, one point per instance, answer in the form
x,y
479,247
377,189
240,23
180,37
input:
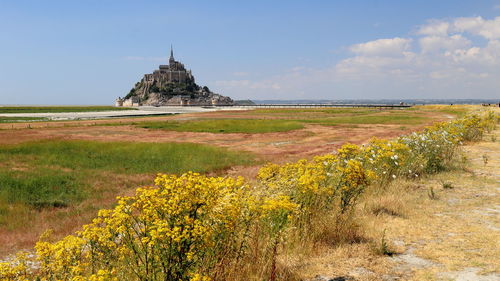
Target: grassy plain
x,y
282,120
54,109
58,174
249,126
48,173
433,227
21,119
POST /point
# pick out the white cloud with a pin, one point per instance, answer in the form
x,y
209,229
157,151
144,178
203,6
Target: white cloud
x,y
442,55
436,43
434,27
489,56
439,75
489,29
382,47
443,59
361,66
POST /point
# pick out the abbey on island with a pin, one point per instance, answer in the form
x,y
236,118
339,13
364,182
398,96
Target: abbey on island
x,y
171,84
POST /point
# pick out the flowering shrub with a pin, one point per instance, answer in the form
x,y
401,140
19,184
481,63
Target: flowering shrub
x,y
62,260
387,159
177,230
436,146
17,270
319,185
194,227
354,179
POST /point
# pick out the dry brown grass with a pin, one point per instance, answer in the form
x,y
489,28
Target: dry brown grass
x,y
386,205
442,239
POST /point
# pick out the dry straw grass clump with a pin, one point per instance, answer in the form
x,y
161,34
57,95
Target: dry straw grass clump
x,y
195,227
388,204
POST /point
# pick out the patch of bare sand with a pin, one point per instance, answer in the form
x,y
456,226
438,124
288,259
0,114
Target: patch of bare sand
x,y
458,234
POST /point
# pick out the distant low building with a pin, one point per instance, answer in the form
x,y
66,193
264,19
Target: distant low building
x,y
119,102
171,84
132,101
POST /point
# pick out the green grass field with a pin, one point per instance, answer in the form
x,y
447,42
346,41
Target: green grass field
x,y
21,119
282,120
225,125
55,109
369,119
455,110
60,173
316,110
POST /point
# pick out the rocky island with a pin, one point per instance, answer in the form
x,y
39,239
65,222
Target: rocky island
x,y
171,84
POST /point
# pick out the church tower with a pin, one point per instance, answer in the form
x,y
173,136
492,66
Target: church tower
x,y
171,61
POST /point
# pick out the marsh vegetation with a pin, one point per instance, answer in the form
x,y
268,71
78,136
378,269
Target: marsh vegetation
x,y
196,227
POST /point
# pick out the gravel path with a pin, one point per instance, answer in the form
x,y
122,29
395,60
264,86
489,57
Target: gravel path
x,y
458,236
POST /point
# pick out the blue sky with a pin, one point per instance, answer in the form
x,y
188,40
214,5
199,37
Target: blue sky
x,y
90,52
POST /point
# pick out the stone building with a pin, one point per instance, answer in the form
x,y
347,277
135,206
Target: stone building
x,y
119,102
171,84
173,72
133,101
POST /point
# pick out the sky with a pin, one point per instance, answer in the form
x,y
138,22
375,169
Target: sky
x,y
92,51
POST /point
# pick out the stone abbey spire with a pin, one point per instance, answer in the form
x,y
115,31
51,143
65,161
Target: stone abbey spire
x,y
171,60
